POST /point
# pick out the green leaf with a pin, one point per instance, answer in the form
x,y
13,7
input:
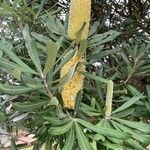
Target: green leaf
x,y
141,126
15,58
124,113
137,136
40,37
98,137
13,66
15,4
17,74
104,130
32,49
112,146
48,143
132,90
29,106
6,6
148,90
128,103
16,90
56,121
2,117
100,39
1,54
83,47
77,103
60,130
52,49
99,55
82,139
54,101
68,76
134,144
13,145
94,77
69,140
54,24
65,58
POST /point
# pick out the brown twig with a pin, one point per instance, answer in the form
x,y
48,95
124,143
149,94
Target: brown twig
x,y
46,86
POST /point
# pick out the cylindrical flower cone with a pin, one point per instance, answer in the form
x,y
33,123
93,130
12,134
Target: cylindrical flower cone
x,y
79,14
73,86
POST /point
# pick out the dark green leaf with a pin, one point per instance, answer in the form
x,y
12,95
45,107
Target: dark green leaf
x,y
124,113
15,58
128,103
29,106
141,126
56,121
104,130
69,140
112,146
32,49
82,139
16,90
60,130
52,49
94,77
100,39
13,145
2,117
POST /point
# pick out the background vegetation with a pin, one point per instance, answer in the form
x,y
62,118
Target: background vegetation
x,y
33,31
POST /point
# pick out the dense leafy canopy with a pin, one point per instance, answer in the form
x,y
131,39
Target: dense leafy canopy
x,y
34,47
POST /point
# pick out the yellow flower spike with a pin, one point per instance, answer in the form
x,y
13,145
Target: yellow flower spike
x,y
79,14
72,87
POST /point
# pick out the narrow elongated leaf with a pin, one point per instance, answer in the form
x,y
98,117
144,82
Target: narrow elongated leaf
x,y
13,66
104,130
40,37
134,144
124,113
82,139
68,76
77,103
133,90
137,136
69,140
98,137
15,58
60,130
13,145
32,49
56,121
52,49
48,143
112,146
100,39
65,58
128,103
29,106
148,90
1,54
94,77
15,3
141,126
16,90
102,54
2,116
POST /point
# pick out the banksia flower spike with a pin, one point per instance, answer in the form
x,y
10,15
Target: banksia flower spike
x,y
73,86
109,97
79,14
